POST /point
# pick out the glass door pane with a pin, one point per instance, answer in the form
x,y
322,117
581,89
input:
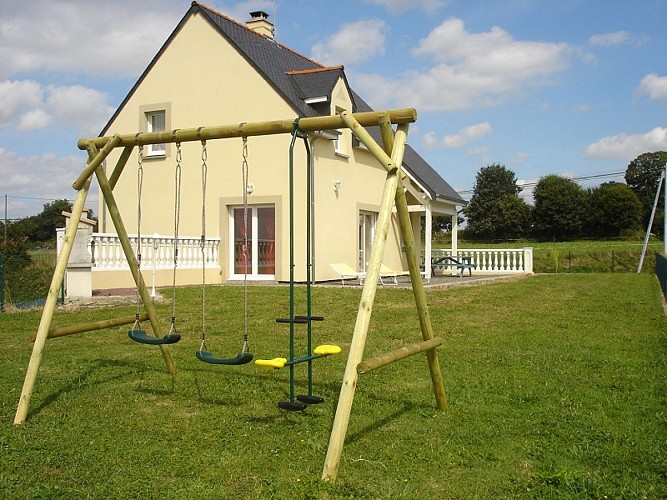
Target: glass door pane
x,y
243,262
266,240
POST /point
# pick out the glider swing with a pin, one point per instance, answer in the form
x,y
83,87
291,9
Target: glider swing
x,y
136,333
245,356
301,401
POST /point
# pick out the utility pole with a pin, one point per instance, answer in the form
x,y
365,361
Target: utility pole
x,y
5,221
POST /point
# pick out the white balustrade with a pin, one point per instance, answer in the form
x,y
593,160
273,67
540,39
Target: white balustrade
x,y
491,260
157,252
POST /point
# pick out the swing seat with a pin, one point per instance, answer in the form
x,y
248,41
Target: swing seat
x,y
241,358
291,405
143,338
326,350
271,364
309,399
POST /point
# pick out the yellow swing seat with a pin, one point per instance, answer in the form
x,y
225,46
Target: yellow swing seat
x,y
326,350
271,364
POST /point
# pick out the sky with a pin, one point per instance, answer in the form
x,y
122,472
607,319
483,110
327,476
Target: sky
x,y
574,87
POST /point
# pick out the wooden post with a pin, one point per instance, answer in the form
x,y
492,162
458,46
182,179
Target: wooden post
x,y
125,244
423,313
89,327
50,305
120,165
370,364
96,161
342,417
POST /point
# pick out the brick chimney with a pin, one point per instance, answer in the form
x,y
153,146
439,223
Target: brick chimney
x,y
259,23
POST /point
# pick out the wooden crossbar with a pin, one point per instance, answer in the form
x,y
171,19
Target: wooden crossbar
x,y
371,364
310,124
89,327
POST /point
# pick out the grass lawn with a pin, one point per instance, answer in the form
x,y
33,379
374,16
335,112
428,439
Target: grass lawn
x,y
556,387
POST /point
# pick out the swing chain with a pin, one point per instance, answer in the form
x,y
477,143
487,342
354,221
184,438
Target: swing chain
x,y
202,243
140,183
177,216
245,172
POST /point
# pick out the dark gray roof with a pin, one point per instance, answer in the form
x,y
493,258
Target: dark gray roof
x,y
296,78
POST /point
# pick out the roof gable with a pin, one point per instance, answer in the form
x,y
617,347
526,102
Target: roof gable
x,y
296,78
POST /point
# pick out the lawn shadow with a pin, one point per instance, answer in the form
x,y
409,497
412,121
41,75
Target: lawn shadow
x,y
82,381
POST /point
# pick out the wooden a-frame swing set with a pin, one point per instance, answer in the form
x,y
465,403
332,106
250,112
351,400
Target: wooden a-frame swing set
x,y
389,155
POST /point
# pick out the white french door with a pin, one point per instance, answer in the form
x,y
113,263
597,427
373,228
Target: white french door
x,y
367,221
258,258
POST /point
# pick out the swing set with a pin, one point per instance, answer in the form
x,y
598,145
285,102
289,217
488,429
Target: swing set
x,y
389,155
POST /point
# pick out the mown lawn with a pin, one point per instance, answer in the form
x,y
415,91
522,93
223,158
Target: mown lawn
x,y
556,387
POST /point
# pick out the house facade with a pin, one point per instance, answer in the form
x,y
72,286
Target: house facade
x,y
211,71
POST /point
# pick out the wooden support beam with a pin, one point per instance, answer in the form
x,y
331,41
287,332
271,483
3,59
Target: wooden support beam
x,y
376,362
62,331
397,116
96,162
346,397
51,301
407,235
120,165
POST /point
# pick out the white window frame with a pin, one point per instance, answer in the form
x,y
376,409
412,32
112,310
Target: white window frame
x,y
156,149
254,238
148,113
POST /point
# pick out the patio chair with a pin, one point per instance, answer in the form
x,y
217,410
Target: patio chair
x,y
347,273
390,275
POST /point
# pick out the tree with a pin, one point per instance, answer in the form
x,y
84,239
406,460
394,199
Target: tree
x,y
642,177
560,206
495,210
49,219
613,208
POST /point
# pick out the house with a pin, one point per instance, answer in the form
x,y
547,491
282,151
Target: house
x,y
213,70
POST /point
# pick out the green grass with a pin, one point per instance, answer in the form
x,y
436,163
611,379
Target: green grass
x,y
556,388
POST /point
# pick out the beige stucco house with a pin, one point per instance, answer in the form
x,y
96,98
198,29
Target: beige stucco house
x,y
211,71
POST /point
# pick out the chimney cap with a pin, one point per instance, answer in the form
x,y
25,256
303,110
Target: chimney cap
x,y
259,14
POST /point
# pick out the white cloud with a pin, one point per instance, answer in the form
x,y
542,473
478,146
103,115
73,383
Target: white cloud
x,y
471,70
354,43
610,39
46,176
85,109
653,86
401,6
27,105
34,120
16,97
467,135
86,36
627,147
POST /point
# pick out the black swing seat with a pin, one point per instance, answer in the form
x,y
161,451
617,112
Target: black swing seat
x,y
291,405
143,338
309,399
241,358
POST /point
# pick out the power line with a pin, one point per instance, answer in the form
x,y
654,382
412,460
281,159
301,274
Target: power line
x,y
576,179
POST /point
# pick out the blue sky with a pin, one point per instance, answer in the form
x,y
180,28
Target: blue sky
x,y
574,87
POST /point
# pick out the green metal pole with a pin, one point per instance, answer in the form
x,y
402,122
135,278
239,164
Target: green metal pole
x,y
309,264
291,259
